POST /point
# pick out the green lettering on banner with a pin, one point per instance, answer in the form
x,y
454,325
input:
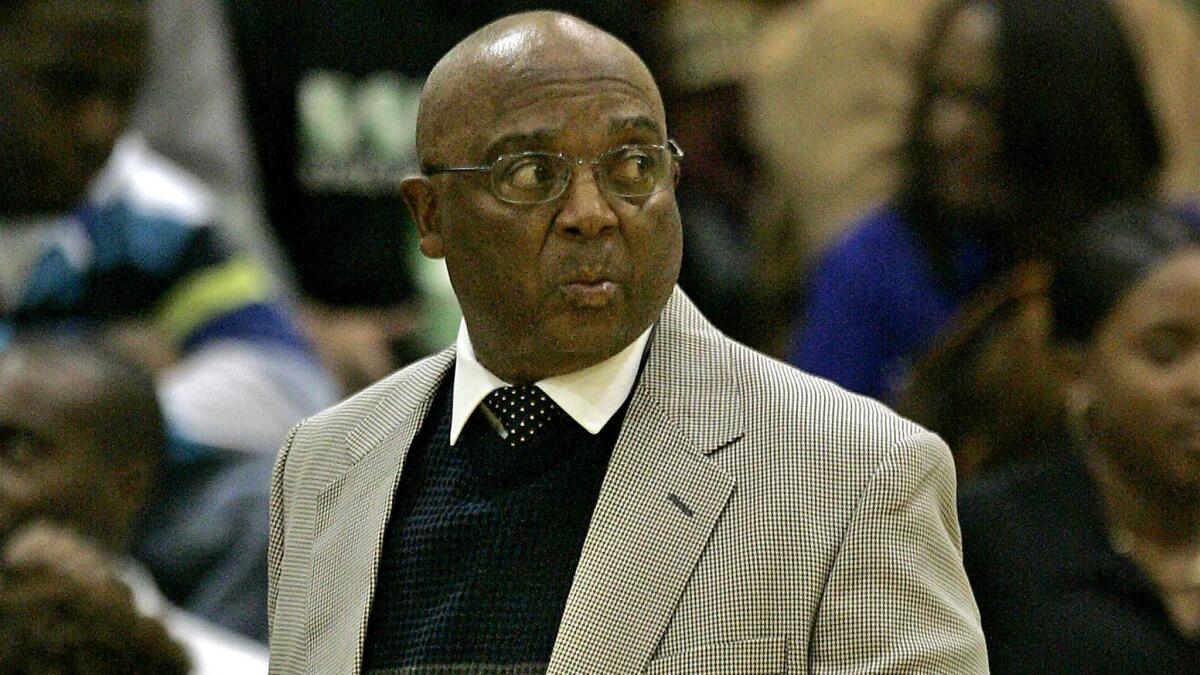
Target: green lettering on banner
x,y
356,136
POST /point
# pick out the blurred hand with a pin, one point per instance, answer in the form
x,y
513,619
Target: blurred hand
x,y
50,546
989,384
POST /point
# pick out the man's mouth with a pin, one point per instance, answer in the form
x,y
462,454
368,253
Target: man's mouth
x,y
590,290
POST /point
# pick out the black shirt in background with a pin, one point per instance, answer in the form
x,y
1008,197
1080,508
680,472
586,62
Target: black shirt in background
x,y
1053,595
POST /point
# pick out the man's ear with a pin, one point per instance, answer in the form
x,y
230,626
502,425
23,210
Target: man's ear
x,y
676,172
421,199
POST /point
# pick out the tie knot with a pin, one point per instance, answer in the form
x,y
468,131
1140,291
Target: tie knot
x,y
522,411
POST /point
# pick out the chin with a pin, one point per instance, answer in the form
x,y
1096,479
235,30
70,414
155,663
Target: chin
x,y
601,342
590,343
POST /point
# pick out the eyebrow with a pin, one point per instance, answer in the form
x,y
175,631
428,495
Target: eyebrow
x,y
522,141
635,122
542,138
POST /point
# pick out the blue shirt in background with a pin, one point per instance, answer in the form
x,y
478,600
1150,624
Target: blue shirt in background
x,y
874,304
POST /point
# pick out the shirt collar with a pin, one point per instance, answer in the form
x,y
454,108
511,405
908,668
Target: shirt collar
x,y
590,396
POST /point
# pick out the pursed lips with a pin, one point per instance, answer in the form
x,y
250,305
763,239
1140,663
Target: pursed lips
x,y
590,286
587,276
594,271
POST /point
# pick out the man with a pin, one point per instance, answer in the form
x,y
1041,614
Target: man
x,y
683,505
101,236
81,444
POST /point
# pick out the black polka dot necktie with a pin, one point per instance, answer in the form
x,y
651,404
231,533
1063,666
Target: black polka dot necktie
x,y
521,413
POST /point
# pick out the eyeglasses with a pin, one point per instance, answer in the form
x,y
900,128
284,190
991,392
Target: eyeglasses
x,y
539,177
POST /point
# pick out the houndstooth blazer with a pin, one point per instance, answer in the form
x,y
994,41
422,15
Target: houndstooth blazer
x,y
753,519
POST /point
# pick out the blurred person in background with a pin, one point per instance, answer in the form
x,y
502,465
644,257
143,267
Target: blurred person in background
x,y
987,383
828,90
190,109
101,236
1030,115
64,610
82,445
107,239
1088,559
829,109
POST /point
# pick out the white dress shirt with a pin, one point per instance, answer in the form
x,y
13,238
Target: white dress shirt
x,y
590,396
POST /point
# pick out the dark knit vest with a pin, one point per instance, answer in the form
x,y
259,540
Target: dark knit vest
x,y
482,543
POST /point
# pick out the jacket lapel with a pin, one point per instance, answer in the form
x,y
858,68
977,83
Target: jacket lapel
x,y
352,511
659,502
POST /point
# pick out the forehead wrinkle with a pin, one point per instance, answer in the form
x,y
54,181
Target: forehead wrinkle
x,y
519,140
456,141
537,77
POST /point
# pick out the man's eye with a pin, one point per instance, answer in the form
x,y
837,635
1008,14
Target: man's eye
x,y
530,174
632,168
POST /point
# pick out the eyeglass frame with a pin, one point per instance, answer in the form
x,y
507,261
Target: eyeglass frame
x,y
671,147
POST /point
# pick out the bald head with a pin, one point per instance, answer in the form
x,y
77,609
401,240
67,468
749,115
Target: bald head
x,y
494,70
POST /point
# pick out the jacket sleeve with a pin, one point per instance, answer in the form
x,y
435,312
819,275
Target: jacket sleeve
x,y
897,599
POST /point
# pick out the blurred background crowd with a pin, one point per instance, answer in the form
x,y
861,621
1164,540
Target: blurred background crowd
x,y
985,213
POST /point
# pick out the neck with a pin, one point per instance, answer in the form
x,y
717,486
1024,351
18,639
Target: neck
x,y
533,367
522,371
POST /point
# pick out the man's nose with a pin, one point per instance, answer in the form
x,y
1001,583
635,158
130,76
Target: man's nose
x,y
586,211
